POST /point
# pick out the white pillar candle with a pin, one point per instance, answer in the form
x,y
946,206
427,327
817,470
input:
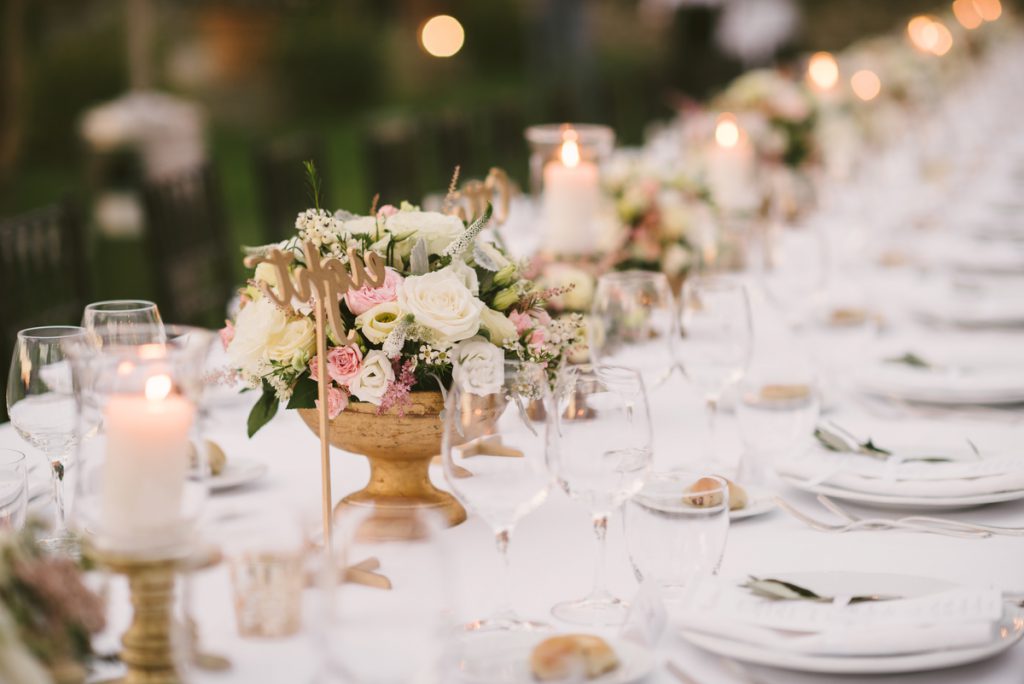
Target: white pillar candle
x,y
570,201
147,460
730,167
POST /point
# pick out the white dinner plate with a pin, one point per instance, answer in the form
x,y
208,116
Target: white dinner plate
x,y
504,658
237,472
983,386
759,502
1010,630
936,503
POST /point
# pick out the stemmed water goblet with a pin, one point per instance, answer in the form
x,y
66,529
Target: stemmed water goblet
x,y
716,338
125,321
493,453
599,451
41,404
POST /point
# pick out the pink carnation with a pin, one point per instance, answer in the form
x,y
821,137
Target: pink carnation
x,y
522,321
337,401
227,333
537,338
365,298
387,210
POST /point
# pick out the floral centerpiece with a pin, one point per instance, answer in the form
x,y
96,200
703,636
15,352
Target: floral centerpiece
x,y
451,305
47,615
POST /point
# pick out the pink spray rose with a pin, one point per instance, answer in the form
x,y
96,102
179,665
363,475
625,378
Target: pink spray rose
x,y
365,298
343,363
387,210
537,338
337,401
522,321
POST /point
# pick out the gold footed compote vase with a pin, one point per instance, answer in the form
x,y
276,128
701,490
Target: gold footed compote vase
x,y
399,449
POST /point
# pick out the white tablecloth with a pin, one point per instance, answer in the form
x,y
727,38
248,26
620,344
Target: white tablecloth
x,y
553,549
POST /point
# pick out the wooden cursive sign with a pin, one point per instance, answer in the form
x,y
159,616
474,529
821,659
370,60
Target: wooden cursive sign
x,y
328,279
470,201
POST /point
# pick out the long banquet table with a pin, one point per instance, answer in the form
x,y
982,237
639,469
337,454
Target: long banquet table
x,y
553,549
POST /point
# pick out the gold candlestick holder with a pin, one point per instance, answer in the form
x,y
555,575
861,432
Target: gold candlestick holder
x,y
147,647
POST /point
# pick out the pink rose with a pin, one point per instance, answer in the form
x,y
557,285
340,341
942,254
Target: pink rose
x,y
537,338
387,210
365,298
343,363
522,321
227,333
337,401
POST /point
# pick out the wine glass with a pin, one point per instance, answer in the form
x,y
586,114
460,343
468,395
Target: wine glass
x,y
633,324
386,587
13,489
676,528
126,321
493,451
599,451
41,404
716,338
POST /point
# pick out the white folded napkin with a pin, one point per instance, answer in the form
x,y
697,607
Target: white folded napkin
x,y
957,618
861,473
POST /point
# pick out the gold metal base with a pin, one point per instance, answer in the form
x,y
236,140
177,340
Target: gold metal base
x,y
399,449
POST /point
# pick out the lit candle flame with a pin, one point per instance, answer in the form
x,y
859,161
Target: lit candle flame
x,y
570,150
727,131
823,70
158,387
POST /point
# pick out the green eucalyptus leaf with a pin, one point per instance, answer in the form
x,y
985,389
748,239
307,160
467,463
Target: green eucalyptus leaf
x,y
263,411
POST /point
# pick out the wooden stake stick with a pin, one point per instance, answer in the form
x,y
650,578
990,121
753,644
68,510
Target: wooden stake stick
x,y
325,446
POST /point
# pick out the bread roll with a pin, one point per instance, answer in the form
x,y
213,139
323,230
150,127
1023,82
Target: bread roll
x,y
572,654
705,493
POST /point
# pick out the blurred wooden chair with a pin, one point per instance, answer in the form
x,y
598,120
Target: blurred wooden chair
x,y
283,186
393,159
188,240
44,274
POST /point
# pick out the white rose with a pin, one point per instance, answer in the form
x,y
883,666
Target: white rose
x,y
468,276
441,302
266,273
377,323
497,326
437,230
373,379
363,225
478,367
580,296
293,343
257,323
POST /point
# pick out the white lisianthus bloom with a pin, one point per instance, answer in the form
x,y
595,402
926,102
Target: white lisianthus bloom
x,y
441,302
580,296
373,379
364,225
468,276
492,254
437,230
377,323
293,344
257,323
478,367
497,326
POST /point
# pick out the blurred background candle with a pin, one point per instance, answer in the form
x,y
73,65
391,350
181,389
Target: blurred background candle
x,y
730,167
571,199
147,459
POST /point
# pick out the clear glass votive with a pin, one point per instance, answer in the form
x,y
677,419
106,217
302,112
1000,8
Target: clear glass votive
x,y
13,489
676,528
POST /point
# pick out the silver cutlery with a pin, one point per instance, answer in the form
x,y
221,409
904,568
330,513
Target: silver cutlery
x,y
877,524
924,519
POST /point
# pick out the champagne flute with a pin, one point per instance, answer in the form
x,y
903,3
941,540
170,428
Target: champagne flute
x,y
41,404
716,338
600,451
493,453
633,324
125,321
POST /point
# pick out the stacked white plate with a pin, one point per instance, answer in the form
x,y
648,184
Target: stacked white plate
x,y
904,480
925,624
972,302
959,378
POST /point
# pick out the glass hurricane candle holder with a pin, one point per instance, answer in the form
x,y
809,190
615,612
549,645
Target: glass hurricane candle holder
x,y
564,175
135,494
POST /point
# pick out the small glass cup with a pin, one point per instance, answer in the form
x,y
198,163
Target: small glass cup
x,y
676,529
774,418
266,554
13,489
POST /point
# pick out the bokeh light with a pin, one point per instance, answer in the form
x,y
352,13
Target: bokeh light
x,y
943,39
727,131
442,36
866,84
823,70
990,10
966,13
